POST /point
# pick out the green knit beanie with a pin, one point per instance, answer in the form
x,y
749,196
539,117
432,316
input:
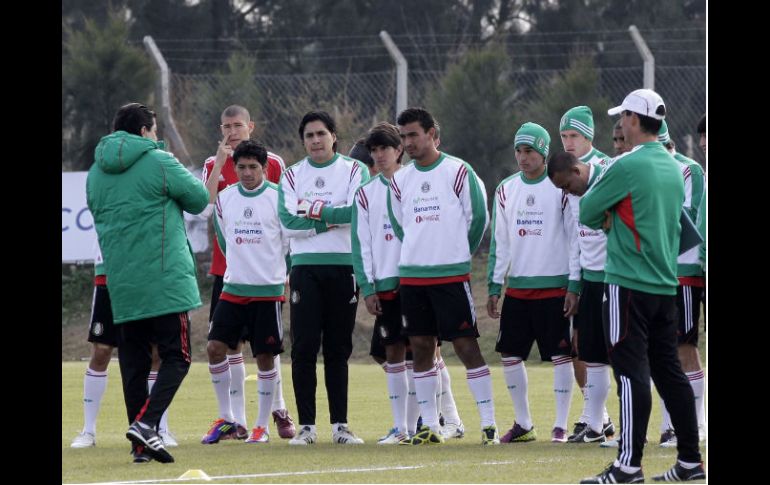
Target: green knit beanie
x,y
663,135
535,136
580,119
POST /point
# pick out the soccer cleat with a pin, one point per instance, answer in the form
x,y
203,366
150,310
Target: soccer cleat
x,y
241,433
258,435
306,436
579,428
343,436
284,423
588,436
517,434
84,440
614,443
169,440
678,473
668,439
453,430
608,429
148,437
424,436
489,436
139,455
613,474
559,435
219,430
393,437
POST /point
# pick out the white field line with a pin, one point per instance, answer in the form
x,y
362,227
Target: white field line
x,y
313,472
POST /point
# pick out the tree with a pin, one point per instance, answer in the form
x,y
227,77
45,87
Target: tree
x,y
473,105
578,85
100,73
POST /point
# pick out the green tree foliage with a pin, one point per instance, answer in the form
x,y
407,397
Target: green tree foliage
x,y
576,86
100,72
473,105
200,119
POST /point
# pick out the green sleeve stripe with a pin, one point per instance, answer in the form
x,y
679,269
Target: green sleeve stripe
x,y
220,236
494,288
476,230
289,220
358,261
397,229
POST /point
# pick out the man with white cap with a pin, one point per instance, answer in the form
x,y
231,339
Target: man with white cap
x,y
643,193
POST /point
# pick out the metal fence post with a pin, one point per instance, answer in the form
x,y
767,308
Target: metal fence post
x,y
649,59
401,71
180,150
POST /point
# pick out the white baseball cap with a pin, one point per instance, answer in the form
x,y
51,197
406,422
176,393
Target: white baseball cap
x,y
645,102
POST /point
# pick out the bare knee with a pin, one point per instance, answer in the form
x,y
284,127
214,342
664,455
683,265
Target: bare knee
x,y
100,357
217,351
689,358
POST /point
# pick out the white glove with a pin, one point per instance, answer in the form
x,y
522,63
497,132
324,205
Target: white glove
x,y
303,207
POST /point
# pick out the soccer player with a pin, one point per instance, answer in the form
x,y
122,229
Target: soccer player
x,y
316,196
253,241
219,173
576,130
532,235
430,201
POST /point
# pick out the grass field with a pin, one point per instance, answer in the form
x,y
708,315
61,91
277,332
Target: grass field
x,y
458,461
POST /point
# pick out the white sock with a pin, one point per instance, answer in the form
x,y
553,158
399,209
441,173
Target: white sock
x,y
448,405
266,383
480,382
412,408
278,402
438,388
425,384
516,380
584,417
397,393
597,389
698,383
563,375
220,377
237,387
94,385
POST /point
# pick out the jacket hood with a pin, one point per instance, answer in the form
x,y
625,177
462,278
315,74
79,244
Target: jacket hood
x,y
118,151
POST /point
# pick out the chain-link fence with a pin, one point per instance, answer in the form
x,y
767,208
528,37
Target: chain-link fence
x,y
357,100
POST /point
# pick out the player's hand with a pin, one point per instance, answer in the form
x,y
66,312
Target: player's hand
x,y
607,224
314,212
492,306
373,304
570,304
224,150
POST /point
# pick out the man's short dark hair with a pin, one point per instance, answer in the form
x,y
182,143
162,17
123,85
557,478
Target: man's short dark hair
x,y
561,162
321,116
361,153
702,125
132,117
386,135
250,149
236,110
648,125
421,115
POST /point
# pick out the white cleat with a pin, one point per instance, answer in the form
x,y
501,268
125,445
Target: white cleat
x,y
614,443
84,440
453,430
344,436
305,437
393,437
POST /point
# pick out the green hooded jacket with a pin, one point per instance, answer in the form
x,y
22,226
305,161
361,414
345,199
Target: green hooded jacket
x,y
136,193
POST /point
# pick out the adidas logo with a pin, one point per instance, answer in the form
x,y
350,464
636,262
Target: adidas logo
x,y
353,300
464,326
270,340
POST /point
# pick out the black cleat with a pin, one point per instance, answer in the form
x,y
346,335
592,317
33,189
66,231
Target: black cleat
x,y
678,473
613,474
150,440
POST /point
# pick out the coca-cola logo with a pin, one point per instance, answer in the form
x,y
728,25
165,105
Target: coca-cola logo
x,y
530,232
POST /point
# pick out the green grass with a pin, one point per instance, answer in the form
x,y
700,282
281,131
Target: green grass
x,y
458,461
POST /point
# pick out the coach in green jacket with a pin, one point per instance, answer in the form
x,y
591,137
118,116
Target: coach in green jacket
x,y
643,192
136,192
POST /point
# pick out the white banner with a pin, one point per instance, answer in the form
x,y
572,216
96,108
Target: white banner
x,y
78,236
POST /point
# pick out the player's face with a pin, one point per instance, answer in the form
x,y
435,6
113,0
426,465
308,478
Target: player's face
x,y
575,143
619,141
703,142
570,181
385,158
530,161
238,128
417,143
319,141
250,173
